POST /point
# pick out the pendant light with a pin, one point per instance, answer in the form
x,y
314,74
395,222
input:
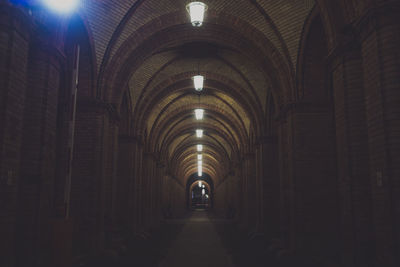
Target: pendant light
x,y
196,11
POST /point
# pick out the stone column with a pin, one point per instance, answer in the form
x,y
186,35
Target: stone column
x,y
379,31
126,188
38,161
14,48
91,167
139,195
311,185
352,155
271,187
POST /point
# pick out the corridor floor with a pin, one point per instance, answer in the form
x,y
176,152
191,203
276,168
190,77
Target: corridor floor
x,y
198,244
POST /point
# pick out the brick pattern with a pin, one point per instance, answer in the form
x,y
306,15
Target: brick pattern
x,y
331,158
381,81
14,51
352,150
38,160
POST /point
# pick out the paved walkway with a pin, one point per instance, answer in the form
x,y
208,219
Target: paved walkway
x,y
198,244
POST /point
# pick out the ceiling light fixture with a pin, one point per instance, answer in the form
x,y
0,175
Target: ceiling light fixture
x,y
199,148
198,81
196,11
199,113
61,6
199,157
199,133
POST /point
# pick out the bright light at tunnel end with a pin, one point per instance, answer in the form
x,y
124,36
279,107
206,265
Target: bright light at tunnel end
x,y
61,6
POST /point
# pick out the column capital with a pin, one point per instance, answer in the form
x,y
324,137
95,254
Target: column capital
x,y
267,139
349,47
126,138
87,105
301,107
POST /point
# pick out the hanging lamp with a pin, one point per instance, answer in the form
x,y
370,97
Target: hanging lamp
x,y
196,11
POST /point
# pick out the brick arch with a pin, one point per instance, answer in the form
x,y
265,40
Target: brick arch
x,y
165,87
187,164
211,145
189,148
317,186
183,83
213,111
76,31
186,112
188,128
252,42
333,15
313,27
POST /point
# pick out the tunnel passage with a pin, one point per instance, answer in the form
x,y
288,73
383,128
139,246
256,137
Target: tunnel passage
x,y
286,110
196,198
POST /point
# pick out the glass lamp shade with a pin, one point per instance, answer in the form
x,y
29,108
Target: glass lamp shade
x,y
199,133
199,113
199,148
196,11
61,6
198,81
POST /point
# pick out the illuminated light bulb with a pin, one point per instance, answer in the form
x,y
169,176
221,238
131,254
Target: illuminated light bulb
x,y
199,157
199,148
200,184
199,113
198,82
196,11
199,133
61,6
203,191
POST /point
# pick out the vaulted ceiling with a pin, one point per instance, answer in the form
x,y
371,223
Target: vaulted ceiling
x,y
148,51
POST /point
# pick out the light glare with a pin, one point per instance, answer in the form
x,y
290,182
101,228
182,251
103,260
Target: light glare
x,y
199,113
199,148
196,11
199,157
199,133
61,6
198,82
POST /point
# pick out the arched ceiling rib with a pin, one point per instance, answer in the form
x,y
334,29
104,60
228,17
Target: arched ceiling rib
x,y
280,21
246,49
